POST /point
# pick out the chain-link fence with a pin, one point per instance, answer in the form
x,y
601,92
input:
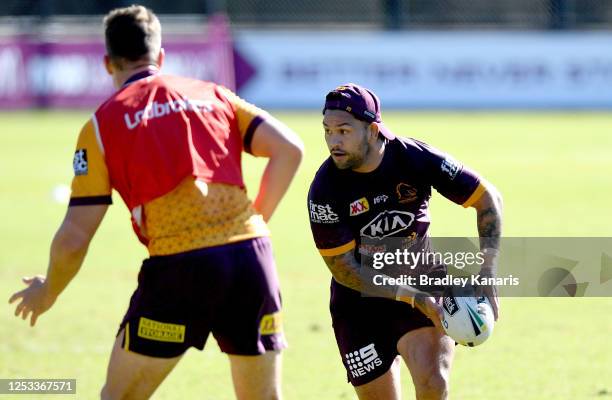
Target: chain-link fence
x,y
424,14
390,14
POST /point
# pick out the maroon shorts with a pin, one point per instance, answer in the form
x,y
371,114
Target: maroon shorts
x,y
230,290
367,330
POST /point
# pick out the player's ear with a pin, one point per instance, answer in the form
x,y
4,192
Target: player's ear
x,y
108,64
161,57
373,131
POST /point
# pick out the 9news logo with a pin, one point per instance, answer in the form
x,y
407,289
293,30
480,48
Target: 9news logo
x,y
362,361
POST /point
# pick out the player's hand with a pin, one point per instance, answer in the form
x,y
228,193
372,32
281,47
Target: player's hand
x,y
428,305
490,291
35,299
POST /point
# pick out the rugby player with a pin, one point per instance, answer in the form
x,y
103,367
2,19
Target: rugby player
x,y
171,146
376,185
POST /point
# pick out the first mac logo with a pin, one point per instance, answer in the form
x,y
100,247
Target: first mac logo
x,y
322,214
79,162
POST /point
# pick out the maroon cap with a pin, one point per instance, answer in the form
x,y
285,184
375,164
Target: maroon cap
x,y
362,103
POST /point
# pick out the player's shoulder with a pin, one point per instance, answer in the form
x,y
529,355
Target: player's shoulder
x,y
409,144
180,80
135,94
325,180
88,128
108,103
194,88
204,90
413,151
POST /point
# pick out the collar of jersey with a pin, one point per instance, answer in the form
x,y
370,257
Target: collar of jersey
x,y
140,75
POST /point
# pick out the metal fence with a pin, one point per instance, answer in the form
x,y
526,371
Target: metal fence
x,y
390,14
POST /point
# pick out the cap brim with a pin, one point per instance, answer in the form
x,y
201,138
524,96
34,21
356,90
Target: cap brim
x,y
385,131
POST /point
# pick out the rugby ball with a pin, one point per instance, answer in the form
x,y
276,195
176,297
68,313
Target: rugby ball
x,y
468,320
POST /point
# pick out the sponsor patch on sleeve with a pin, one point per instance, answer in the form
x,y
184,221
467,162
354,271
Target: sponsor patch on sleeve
x,y
451,167
79,162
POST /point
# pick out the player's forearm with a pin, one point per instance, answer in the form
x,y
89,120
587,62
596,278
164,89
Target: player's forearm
x,y
67,255
276,179
70,245
348,272
489,222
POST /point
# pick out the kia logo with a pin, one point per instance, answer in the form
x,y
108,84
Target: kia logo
x,y
387,223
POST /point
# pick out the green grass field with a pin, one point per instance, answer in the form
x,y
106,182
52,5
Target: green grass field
x,y
554,171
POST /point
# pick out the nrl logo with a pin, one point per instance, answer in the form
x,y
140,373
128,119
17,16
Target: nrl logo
x,y
387,223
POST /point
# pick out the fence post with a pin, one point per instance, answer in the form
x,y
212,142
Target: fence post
x,y
393,14
561,11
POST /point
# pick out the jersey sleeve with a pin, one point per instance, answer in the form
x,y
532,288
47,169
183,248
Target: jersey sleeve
x,y
451,178
91,183
331,235
248,116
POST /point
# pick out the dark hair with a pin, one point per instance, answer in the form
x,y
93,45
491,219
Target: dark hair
x,y
132,33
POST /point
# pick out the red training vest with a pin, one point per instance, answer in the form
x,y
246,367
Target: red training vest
x,y
160,129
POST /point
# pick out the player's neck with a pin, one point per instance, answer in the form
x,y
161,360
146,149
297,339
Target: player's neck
x,y
122,76
373,158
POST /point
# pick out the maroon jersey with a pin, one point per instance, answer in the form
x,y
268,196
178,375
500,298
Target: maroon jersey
x,y
392,201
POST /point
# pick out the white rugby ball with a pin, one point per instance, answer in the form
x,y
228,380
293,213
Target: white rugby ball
x,y
468,320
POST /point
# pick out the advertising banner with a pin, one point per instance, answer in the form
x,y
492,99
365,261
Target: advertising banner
x,y
70,72
432,69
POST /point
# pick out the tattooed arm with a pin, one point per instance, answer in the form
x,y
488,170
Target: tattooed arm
x,y
348,272
489,221
489,211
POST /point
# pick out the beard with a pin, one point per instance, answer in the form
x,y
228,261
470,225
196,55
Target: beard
x,y
355,159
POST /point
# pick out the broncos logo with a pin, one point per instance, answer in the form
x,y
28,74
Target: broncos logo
x,y
406,193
